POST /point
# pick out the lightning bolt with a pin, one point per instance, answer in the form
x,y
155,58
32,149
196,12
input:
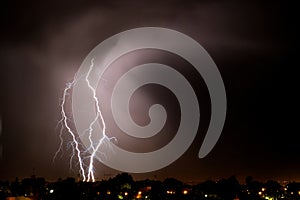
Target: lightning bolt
x,y
104,137
87,174
64,122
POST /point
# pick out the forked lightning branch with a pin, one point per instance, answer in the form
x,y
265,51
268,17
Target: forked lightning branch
x,y
78,150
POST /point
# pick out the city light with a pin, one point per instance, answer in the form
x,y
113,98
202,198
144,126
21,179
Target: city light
x,y
139,195
170,192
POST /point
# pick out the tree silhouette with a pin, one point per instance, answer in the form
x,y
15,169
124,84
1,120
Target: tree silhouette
x,y
273,189
229,188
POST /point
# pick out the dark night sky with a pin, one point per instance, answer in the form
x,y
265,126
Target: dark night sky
x,y
253,44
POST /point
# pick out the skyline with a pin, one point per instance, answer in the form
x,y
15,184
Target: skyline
x,y
253,44
123,186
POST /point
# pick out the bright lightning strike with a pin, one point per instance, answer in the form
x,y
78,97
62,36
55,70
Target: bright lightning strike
x,y
98,115
87,174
